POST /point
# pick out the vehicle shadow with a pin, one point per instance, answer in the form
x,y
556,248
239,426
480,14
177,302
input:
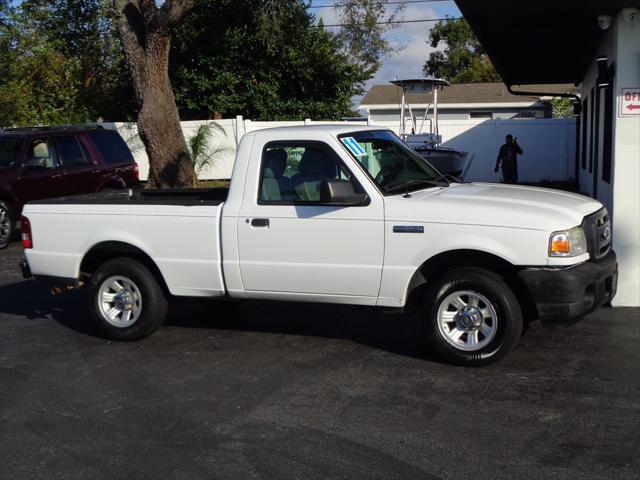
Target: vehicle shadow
x,y
395,333
392,332
33,300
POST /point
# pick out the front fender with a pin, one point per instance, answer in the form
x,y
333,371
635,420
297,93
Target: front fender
x,y
406,253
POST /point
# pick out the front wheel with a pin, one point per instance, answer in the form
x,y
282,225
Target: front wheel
x,y
472,317
126,301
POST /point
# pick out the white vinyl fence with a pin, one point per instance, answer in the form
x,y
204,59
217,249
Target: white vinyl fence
x,y
549,145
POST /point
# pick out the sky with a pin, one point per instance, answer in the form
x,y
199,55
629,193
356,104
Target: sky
x,y
409,38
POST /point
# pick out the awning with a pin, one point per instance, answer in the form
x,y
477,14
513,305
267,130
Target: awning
x,y
541,41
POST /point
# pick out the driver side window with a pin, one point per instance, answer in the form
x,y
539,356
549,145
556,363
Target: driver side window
x,y
292,172
41,154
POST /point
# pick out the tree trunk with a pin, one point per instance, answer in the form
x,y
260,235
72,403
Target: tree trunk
x,y
145,30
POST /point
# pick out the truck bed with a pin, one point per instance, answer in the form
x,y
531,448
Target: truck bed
x,y
182,197
178,229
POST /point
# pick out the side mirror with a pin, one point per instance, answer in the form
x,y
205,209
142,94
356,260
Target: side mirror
x,y
340,192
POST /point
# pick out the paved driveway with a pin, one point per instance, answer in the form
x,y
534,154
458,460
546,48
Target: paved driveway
x,y
304,391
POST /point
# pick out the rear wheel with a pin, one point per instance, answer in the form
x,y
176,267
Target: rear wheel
x,y
7,223
126,300
472,317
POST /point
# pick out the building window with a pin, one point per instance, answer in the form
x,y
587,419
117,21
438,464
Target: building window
x,y
607,143
526,114
594,128
488,115
585,124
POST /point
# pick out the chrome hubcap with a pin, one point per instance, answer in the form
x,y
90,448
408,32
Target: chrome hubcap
x,y
467,320
119,301
5,224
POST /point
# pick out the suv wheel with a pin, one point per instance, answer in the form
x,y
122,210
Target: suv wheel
x,y
7,223
126,300
472,317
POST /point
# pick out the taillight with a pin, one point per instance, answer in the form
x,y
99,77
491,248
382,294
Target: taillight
x,y
136,171
25,230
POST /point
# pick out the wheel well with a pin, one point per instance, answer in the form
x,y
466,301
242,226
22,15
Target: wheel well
x,y
112,184
437,266
105,251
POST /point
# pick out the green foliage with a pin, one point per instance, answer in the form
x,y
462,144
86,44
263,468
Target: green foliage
x,y
362,34
202,154
562,107
85,32
61,63
463,60
38,84
261,59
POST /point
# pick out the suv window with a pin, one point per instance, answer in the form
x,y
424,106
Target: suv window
x,y
292,172
9,151
72,152
41,154
112,147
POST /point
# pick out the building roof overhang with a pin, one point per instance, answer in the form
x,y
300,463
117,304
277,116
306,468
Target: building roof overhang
x,y
542,41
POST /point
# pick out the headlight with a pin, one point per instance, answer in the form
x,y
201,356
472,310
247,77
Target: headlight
x,y
569,243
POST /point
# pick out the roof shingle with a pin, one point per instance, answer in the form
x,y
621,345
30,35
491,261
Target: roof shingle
x,y
462,93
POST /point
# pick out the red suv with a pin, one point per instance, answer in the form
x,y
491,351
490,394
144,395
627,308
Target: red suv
x,y
37,163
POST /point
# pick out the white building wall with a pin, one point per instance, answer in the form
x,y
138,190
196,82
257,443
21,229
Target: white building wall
x,y
626,161
621,46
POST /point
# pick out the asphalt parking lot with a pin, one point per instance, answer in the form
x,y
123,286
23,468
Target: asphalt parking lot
x,y
260,390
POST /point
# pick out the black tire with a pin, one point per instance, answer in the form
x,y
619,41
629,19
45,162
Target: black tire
x,y
7,223
150,311
482,285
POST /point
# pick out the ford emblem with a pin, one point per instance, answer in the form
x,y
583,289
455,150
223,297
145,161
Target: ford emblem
x,y
606,233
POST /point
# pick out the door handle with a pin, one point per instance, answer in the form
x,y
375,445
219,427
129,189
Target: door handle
x,y
260,222
56,177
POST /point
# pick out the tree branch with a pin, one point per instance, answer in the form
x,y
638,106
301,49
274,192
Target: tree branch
x,y
169,14
131,27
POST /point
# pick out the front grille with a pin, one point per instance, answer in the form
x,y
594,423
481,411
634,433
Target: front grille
x,y
597,229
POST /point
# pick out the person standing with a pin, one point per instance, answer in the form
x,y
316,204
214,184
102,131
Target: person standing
x,y
507,156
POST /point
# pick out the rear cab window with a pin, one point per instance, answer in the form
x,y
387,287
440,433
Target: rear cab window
x,y
112,147
9,150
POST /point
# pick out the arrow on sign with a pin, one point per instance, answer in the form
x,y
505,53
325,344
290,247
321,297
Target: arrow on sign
x,y
633,107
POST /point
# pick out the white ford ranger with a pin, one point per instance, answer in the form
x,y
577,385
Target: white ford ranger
x,y
336,214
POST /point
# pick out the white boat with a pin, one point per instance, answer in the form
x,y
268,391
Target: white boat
x,y
427,143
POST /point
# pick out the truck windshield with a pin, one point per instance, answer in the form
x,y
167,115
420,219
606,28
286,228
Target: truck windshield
x,y
9,150
393,166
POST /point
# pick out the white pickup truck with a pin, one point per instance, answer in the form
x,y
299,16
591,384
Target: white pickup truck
x,y
337,214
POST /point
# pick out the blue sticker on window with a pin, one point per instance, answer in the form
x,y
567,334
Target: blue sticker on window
x,y
353,146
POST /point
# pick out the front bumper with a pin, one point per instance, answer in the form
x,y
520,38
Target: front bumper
x,y
565,295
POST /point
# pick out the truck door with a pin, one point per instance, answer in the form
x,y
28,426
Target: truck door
x,y
290,243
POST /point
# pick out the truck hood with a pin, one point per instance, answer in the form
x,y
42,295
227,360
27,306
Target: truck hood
x,y
493,204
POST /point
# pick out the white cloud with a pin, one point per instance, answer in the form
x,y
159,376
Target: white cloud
x,y
407,39
408,61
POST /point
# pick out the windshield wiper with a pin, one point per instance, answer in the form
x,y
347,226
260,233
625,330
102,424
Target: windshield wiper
x,y
405,185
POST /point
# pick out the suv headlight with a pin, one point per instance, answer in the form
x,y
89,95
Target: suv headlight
x,y
568,243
